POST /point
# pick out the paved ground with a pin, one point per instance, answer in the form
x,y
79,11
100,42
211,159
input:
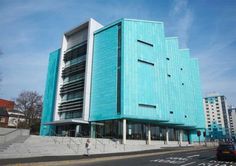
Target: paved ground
x,y
193,158
170,157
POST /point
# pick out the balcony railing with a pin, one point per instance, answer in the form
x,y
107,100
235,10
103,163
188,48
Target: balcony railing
x,y
72,81
76,61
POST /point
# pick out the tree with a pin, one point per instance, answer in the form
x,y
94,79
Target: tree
x,y
30,104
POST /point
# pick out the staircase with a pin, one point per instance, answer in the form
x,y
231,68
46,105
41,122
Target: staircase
x,y
18,139
35,146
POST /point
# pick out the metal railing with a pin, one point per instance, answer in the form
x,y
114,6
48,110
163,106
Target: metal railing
x,y
97,141
60,139
75,145
110,141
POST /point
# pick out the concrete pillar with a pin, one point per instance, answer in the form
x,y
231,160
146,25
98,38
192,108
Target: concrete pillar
x,y
180,137
124,131
149,135
93,131
167,135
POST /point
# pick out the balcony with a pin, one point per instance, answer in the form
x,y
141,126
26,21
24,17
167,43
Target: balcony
x,y
76,51
76,85
74,69
71,105
75,61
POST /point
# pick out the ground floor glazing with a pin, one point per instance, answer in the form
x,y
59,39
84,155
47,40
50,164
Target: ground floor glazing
x,y
134,130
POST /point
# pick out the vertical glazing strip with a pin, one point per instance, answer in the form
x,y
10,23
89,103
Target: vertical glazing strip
x,y
119,71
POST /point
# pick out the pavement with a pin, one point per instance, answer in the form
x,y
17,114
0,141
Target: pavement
x,y
184,156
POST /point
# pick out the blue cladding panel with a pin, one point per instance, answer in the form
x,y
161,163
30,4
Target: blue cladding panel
x,y
179,92
140,79
145,67
50,92
104,75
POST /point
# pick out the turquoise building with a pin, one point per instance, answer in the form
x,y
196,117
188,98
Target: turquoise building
x,y
138,84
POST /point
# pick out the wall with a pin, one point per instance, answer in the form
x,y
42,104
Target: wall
x,y
171,83
104,75
9,105
50,92
157,77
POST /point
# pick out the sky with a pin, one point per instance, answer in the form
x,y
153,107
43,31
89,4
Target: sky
x,y
31,29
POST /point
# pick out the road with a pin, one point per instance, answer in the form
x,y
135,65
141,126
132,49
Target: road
x,y
171,157
193,158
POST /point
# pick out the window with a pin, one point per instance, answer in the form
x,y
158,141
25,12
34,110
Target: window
x,y
182,83
146,62
185,116
2,120
171,112
168,75
181,68
73,95
70,115
147,105
168,59
119,71
146,43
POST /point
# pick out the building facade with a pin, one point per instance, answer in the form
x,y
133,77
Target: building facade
x,y
232,121
4,117
125,80
15,118
7,104
216,117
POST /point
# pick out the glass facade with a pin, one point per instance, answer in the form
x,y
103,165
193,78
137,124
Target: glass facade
x,y
73,130
137,131
109,129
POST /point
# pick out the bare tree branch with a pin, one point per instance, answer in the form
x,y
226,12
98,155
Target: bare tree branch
x,y
30,104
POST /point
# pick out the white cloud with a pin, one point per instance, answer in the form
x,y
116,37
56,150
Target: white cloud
x,y
15,10
182,19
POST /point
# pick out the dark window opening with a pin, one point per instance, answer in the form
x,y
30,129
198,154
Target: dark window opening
x,y
171,112
140,41
149,63
185,116
147,105
119,70
181,68
168,75
182,83
168,59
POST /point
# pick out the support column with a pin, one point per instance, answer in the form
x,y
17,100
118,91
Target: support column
x,y
167,135
180,137
149,135
124,131
93,131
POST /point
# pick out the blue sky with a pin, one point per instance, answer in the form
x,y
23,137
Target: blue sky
x,y
29,30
